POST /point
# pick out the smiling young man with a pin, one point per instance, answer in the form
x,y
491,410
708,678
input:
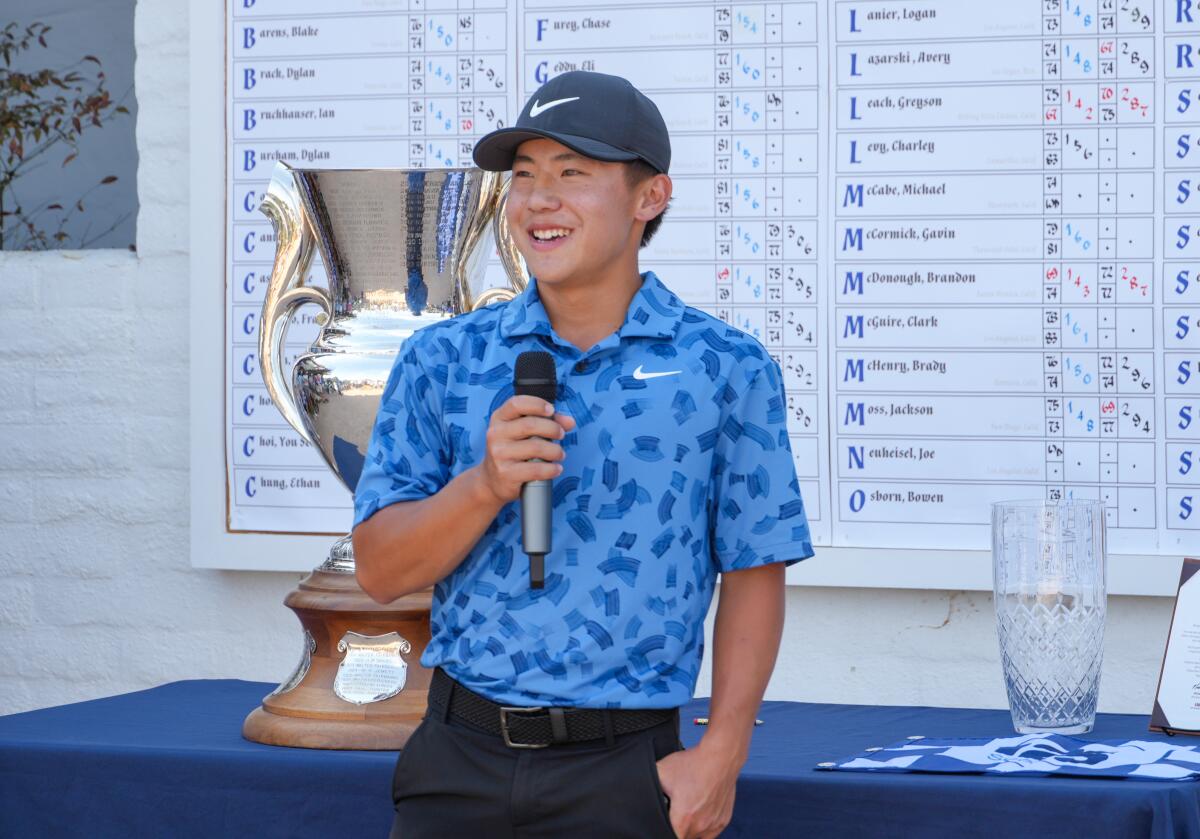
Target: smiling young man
x,y
554,711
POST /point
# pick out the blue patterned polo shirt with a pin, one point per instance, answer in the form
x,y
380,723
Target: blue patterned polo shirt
x,y
679,468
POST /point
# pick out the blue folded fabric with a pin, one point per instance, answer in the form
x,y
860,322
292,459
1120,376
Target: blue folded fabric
x,y
1031,754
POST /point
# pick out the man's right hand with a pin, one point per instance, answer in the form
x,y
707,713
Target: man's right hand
x,y
513,443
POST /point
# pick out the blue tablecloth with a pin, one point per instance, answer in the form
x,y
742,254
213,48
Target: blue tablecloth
x,y
171,762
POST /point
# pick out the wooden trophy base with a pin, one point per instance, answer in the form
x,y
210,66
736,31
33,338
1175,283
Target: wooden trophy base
x,y
311,715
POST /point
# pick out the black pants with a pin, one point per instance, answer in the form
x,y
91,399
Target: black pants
x,y
453,780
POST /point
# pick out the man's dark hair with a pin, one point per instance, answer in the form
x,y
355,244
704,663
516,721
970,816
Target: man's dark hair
x,y
637,171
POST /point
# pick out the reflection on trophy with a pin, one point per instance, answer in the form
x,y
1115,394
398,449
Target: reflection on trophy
x,y
402,249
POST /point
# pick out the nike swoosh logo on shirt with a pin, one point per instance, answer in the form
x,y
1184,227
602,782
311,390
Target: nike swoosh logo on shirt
x,y
538,108
640,374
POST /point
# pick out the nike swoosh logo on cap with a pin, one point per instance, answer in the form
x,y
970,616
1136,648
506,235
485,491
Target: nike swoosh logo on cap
x,y
640,374
538,108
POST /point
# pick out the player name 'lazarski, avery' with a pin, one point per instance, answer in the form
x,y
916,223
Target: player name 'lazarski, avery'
x,y
906,57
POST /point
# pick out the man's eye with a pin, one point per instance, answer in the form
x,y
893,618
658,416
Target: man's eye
x,y
571,172
522,174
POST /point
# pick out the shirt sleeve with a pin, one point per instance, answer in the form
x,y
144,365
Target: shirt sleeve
x,y
758,515
406,458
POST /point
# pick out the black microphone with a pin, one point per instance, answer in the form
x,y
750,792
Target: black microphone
x,y
534,375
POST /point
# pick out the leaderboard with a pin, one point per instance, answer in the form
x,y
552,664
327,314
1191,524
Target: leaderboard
x,y
968,233
993,264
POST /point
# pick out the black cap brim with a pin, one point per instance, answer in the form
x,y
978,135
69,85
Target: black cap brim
x,y
495,151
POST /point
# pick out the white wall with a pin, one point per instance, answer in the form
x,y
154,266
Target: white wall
x,y
97,594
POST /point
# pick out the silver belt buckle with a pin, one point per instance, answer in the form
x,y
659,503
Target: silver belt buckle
x,y
504,709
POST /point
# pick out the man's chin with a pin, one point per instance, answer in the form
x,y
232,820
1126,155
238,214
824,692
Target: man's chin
x,y
550,272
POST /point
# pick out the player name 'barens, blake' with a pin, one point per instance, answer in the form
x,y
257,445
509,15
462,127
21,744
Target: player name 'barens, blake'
x,y
284,32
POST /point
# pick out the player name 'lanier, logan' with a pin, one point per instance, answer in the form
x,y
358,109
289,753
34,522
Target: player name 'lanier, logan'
x,y
903,13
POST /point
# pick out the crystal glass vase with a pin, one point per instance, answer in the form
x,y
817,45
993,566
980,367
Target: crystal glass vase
x,y
1049,564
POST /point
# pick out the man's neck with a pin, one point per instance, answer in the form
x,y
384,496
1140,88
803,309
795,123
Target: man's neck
x,y
585,313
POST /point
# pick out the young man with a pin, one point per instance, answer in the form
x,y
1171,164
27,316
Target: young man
x,y
671,464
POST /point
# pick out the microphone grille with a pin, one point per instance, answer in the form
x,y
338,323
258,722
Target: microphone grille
x,y
534,375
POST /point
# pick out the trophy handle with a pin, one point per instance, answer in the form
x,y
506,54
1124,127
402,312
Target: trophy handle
x,y
510,257
286,292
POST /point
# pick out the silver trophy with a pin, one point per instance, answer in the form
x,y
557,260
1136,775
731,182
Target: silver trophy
x,y
402,250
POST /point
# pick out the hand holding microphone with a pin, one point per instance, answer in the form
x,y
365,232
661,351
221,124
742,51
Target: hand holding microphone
x,y
523,452
520,431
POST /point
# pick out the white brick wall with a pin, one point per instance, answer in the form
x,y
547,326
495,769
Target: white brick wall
x,y
97,595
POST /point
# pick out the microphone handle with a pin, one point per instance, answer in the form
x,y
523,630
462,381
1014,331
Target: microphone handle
x,y
537,501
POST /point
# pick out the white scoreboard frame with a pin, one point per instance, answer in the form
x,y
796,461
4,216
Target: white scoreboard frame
x,y
213,546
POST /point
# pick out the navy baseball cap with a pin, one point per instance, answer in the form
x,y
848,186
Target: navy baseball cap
x,y
598,115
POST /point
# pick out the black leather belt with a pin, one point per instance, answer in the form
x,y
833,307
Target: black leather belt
x,y
537,727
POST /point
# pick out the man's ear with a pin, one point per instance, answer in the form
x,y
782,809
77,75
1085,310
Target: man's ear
x,y
653,195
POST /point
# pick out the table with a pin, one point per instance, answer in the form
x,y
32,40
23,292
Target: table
x,y
170,761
